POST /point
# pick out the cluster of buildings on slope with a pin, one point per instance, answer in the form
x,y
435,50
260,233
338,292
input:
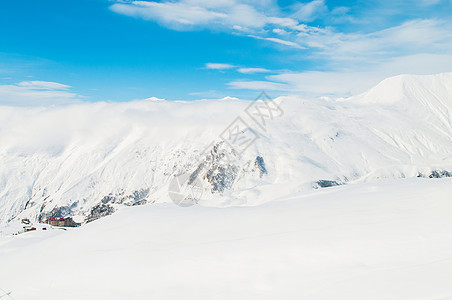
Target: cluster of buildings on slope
x,y
57,222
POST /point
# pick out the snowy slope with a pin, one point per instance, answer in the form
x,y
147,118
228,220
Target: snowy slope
x,y
385,240
90,159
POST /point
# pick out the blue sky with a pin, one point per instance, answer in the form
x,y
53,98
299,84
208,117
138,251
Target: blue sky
x,y
100,50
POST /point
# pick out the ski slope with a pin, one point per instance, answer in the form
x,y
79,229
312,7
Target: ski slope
x,y
75,160
378,240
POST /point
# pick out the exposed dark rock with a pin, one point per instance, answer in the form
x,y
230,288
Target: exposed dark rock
x,y
260,164
136,197
108,199
196,173
99,211
436,174
141,202
56,212
222,177
222,167
440,174
219,168
326,183
40,216
139,195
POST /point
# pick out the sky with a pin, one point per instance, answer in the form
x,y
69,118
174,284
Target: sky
x,y
57,52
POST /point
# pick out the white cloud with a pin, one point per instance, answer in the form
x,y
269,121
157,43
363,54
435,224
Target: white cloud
x,y
412,37
283,42
278,41
36,93
359,57
344,83
250,17
280,31
221,67
252,70
259,85
284,22
308,12
43,85
190,14
265,20
168,12
218,66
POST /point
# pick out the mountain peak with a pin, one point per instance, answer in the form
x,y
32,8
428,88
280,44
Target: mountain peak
x,y
88,160
437,87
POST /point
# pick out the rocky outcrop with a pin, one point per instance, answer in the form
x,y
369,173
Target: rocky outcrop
x,y
99,211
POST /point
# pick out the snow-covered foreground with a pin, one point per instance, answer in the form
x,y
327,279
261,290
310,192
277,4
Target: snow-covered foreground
x,y
386,240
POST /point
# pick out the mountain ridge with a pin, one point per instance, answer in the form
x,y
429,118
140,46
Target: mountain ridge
x,y
85,158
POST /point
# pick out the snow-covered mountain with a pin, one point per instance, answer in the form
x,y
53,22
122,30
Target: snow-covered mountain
x,y
86,160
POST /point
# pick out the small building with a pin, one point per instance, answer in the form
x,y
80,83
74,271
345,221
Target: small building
x,y
26,221
29,228
63,222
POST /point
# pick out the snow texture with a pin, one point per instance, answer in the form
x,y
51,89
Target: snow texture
x,y
89,160
378,240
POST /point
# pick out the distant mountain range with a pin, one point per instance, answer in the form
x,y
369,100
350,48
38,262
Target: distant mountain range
x,y
88,160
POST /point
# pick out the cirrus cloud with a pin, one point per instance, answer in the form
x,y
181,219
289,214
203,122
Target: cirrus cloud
x,y
219,66
191,14
386,38
252,70
37,93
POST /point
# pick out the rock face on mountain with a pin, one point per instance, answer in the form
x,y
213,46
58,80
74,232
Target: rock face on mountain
x,y
88,160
